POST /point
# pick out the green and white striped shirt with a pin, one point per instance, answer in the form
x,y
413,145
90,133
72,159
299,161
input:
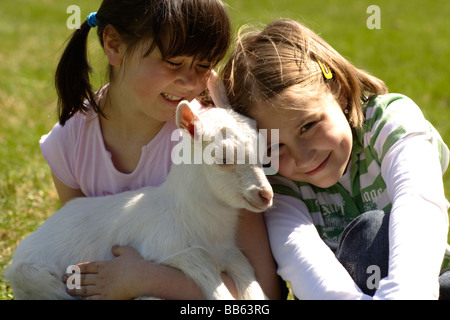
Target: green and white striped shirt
x,y
333,208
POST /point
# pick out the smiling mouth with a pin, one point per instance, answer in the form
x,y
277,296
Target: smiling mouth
x,y
319,168
171,97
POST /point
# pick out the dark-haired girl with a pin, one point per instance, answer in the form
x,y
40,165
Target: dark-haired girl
x,y
119,137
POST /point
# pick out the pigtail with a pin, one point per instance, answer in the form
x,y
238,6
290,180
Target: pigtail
x,y
72,77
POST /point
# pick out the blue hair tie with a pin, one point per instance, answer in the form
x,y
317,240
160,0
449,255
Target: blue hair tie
x,y
92,20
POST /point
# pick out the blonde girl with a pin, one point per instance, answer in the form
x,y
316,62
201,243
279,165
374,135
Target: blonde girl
x,y
118,138
360,210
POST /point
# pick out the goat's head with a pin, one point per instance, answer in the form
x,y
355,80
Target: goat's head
x,y
225,144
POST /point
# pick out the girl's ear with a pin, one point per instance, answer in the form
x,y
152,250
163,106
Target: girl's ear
x,y
339,94
112,45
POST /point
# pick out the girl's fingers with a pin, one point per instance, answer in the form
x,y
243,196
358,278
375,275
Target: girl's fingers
x,y
84,291
90,267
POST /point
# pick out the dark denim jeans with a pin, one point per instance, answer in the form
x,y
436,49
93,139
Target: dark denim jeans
x,y
364,251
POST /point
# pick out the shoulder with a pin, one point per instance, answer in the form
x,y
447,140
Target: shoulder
x,y
389,107
61,147
392,118
69,135
75,128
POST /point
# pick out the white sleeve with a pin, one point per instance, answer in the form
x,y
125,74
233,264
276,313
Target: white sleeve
x,y
418,222
303,258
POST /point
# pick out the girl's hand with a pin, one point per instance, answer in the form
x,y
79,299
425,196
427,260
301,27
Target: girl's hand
x,y
115,279
129,276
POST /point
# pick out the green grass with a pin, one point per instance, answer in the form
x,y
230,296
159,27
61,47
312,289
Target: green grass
x,y
410,53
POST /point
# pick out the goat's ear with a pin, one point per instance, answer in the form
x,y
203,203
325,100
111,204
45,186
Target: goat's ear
x,y
217,91
187,119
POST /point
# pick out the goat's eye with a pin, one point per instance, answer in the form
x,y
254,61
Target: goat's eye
x,y
222,161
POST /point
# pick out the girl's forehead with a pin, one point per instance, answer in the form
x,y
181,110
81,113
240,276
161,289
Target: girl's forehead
x,y
301,98
144,50
276,116
291,106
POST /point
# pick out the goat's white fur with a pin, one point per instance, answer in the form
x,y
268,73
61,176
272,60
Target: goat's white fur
x,y
188,222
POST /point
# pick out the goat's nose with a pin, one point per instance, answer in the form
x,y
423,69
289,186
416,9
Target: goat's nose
x,y
266,195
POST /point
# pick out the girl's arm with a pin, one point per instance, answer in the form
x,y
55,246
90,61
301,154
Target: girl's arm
x,y
303,258
418,224
64,192
254,243
129,276
412,169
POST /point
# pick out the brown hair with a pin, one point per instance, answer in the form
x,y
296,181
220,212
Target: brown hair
x,y
285,54
197,28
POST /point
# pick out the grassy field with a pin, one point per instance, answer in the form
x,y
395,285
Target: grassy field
x,y
409,52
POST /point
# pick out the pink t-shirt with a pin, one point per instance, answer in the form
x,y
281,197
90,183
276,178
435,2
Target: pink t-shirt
x,y
77,156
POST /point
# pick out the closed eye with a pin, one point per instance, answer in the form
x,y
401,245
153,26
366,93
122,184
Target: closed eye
x,y
176,65
204,66
173,65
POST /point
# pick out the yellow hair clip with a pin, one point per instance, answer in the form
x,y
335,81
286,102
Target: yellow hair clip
x,y
325,70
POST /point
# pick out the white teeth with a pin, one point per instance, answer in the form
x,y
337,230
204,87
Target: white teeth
x,y
170,97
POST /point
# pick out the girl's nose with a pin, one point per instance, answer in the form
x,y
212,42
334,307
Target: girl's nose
x,y
187,78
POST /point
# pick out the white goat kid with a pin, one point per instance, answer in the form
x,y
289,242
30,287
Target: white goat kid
x,y
188,222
